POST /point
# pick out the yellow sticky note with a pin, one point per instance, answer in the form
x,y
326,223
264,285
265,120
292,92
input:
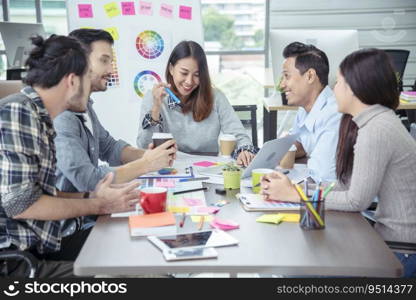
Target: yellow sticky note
x,y
197,219
87,27
113,31
178,209
270,218
290,218
111,9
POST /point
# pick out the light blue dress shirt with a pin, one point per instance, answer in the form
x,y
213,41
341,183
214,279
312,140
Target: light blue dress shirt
x,y
318,134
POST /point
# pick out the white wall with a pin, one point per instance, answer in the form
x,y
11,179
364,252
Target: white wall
x,y
386,24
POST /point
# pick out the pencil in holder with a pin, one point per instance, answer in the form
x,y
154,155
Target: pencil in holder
x,y
312,214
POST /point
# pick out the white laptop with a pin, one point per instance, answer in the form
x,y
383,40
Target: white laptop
x,y
270,154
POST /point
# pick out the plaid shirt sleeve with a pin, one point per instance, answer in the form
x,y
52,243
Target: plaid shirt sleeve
x,y
19,158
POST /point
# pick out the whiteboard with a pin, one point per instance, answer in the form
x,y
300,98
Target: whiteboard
x,y
145,33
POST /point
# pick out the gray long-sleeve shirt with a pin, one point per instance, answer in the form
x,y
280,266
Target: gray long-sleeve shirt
x,y
384,167
78,150
192,136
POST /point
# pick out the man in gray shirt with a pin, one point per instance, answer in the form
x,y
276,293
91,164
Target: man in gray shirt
x,y
81,139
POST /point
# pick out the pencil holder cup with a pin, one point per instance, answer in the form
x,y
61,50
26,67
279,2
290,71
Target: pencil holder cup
x,y
312,214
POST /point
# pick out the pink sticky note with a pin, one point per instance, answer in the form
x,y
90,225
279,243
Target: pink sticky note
x,y
208,209
165,183
185,12
193,202
166,10
224,224
127,8
85,10
204,163
145,8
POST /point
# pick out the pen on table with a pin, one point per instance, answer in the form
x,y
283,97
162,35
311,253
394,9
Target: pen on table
x,y
189,191
201,222
193,179
182,222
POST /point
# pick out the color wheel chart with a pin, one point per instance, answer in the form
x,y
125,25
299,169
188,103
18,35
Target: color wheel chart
x,y
149,44
145,81
114,79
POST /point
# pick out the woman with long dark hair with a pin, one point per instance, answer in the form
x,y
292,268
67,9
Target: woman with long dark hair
x,y
376,156
202,113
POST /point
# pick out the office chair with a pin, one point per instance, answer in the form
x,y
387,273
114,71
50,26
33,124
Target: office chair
x,y
369,215
27,257
399,59
252,121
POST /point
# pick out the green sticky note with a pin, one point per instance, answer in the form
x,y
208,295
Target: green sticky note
x,y
111,9
270,218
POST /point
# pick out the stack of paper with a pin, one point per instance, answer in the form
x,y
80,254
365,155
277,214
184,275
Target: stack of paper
x,y
408,97
255,202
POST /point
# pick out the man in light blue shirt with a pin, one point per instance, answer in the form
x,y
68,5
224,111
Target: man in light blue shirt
x,y
305,83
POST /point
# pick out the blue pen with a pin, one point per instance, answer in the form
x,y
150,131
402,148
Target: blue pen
x,y
172,95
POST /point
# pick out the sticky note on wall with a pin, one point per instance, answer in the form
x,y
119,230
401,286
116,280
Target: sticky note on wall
x,y
85,11
145,8
127,8
166,10
111,9
113,31
185,12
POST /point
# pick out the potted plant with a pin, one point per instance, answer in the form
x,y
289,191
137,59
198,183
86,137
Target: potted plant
x,y
281,91
232,176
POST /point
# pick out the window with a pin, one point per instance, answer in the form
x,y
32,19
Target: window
x,y
22,11
236,28
233,24
54,16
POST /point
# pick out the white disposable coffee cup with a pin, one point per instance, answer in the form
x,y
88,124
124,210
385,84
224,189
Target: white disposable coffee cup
x,y
227,144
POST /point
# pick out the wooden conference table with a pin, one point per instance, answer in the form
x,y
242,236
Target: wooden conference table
x,y
348,246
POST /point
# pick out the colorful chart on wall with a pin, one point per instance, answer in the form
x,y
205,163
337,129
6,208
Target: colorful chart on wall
x,y
114,79
145,81
149,44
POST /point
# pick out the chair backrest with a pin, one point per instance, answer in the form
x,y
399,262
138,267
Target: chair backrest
x,y
252,121
8,87
399,59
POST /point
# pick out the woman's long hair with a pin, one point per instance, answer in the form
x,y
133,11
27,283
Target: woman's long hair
x,y
201,100
371,77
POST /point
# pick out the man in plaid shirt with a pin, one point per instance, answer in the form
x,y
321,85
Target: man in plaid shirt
x,y
32,211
